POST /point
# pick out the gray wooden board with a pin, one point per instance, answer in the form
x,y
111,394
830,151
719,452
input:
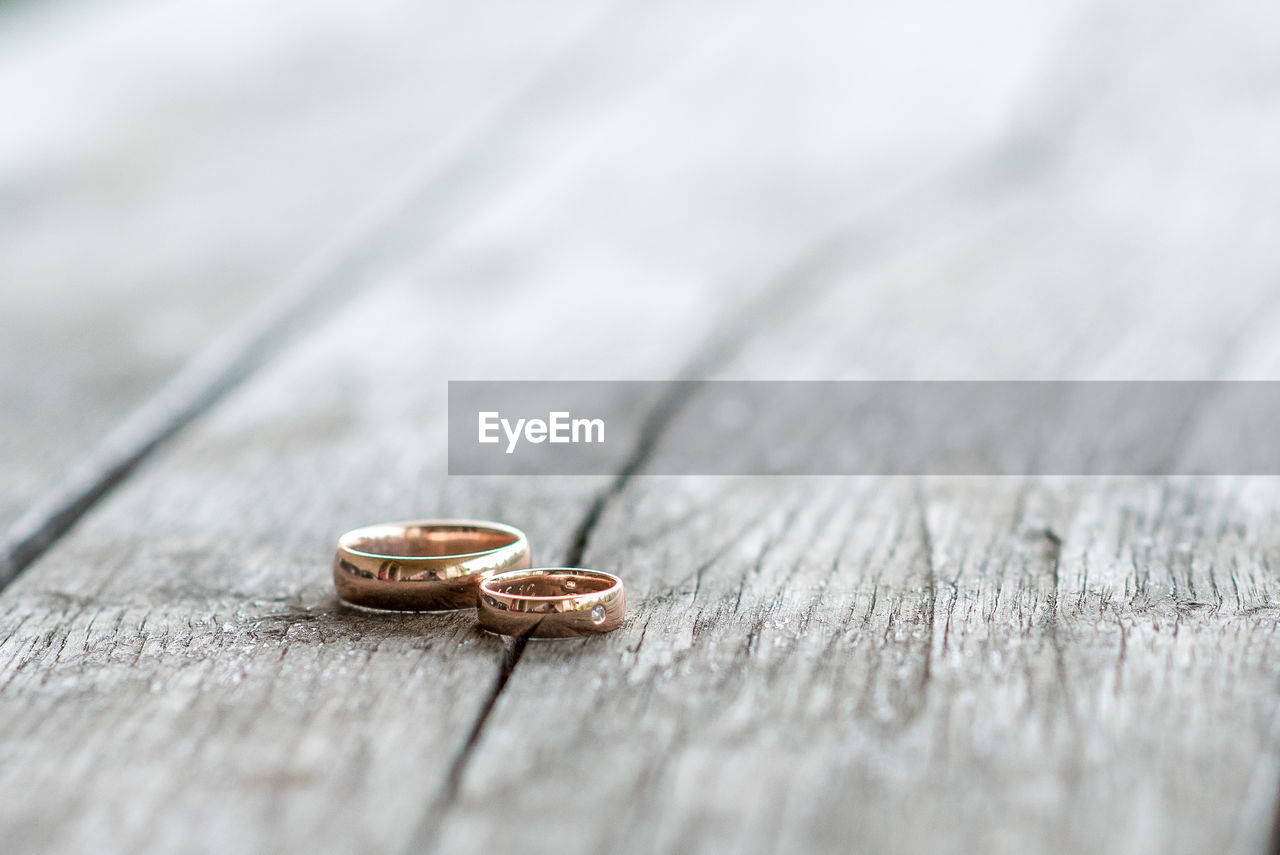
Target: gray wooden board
x,y
807,661
811,662
176,671
953,665
148,204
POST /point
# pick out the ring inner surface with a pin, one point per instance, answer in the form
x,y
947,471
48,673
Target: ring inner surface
x,y
419,542
551,586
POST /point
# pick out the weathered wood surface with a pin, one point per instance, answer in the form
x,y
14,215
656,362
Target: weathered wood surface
x,y
241,166
828,664
954,665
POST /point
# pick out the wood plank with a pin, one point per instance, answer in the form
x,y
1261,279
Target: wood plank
x,y
810,662
181,208
176,668
954,665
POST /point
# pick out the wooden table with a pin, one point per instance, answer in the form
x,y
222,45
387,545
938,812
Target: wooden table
x,y
243,246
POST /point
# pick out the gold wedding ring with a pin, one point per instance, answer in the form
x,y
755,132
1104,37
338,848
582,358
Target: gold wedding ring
x,y
551,602
429,565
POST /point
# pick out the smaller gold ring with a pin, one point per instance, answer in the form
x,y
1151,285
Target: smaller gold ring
x,y
426,565
551,602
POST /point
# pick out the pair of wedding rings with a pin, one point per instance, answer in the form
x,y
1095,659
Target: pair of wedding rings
x,y
439,565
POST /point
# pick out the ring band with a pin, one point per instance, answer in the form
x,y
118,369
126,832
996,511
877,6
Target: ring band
x,y
551,602
428,565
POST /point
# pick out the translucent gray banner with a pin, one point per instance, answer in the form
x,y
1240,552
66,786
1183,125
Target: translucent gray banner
x,y
865,427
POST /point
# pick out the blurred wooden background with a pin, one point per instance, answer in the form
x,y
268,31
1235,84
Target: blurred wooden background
x,y
243,247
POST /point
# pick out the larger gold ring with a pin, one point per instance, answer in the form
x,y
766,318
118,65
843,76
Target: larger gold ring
x,y
551,602
424,566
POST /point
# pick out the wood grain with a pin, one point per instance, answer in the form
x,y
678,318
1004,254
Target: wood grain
x,y
999,665
829,664
1052,667
179,659
165,222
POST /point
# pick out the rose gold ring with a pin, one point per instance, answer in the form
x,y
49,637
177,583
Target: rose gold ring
x,y
551,602
424,566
